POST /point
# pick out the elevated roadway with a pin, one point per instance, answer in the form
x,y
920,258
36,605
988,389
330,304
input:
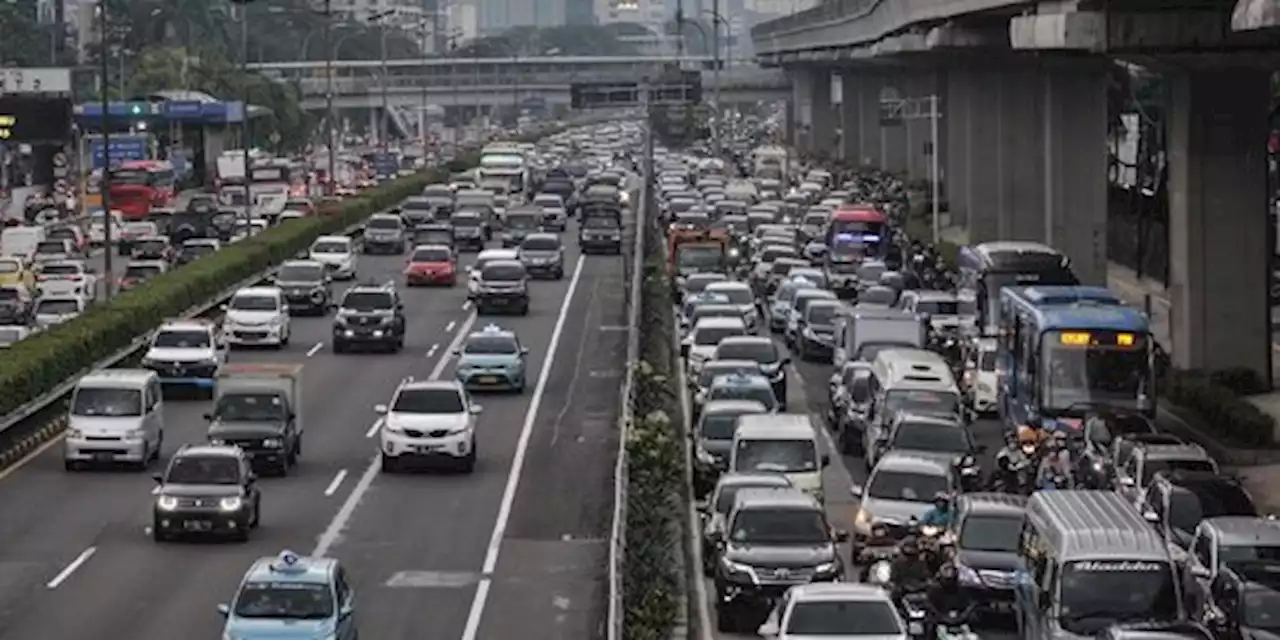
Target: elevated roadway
x,y
521,544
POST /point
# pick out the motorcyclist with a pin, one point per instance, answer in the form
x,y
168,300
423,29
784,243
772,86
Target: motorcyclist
x,y
945,595
910,569
1055,464
1018,453
942,513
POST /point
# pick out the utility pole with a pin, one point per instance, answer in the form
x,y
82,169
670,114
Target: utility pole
x,y
328,95
715,77
105,124
386,80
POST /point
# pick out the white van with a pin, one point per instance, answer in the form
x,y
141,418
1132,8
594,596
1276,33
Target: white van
x,y
980,378
21,241
783,443
117,415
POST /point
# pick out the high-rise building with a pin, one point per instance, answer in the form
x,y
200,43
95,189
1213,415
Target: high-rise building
x,y
496,16
650,13
579,12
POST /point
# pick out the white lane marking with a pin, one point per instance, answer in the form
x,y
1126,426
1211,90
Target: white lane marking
x,y
449,327
373,430
331,534
71,568
432,351
517,465
337,482
466,305
312,351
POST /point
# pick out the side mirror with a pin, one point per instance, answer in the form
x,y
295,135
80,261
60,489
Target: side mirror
x,y
456,352
380,409
252,477
856,490
158,477
328,279
826,460
224,307
345,612
1127,482
209,417
1151,516
477,409
684,350
524,351
270,280
786,360
702,506
224,610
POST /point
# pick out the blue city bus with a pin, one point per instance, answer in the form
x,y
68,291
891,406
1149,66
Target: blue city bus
x,y
987,268
1066,350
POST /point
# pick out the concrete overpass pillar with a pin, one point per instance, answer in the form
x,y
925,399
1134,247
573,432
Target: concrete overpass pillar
x,y
1075,165
918,86
850,124
822,129
1021,154
957,108
1218,238
981,156
867,98
893,135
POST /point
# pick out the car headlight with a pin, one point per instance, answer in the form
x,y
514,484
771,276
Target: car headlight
x,y
74,433
705,456
167,503
967,575
135,434
232,503
273,443
810,333
217,442
827,568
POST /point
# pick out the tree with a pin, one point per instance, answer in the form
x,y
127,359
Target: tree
x,y
569,40
23,41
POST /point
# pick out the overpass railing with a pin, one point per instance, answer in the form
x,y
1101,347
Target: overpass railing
x,y
826,11
399,83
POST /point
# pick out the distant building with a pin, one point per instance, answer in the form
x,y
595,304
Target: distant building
x,y
650,13
497,16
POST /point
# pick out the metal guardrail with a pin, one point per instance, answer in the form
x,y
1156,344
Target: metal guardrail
x,y
729,79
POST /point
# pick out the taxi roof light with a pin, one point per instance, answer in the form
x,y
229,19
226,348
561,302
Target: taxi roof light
x,y
288,562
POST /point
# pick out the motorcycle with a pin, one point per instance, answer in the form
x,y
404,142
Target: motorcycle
x,y
954,625
923,623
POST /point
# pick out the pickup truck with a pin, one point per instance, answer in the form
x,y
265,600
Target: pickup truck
x,y
258,407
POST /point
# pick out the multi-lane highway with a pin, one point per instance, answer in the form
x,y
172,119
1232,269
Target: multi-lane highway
x,y
516,550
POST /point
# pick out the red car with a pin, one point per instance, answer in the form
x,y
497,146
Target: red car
x,y
431,264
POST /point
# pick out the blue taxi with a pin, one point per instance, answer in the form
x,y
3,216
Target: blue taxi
x,y
290,597
492,359
744,386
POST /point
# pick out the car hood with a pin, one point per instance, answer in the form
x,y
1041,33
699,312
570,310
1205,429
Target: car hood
x,y
427,421
179,354
988,560
539,255
704,352
486,361
251,317
202,490
104,426
331,258
358,316
232,430
780,555
894,511
298,285
280,630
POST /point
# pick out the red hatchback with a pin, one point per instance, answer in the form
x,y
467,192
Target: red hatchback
x,y
431,264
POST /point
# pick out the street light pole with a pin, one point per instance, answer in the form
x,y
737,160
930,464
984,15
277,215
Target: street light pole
x,y
328,94
382,140
105,124
715,76
244,127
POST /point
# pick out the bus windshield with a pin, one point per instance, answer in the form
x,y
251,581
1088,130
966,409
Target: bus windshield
x,y
1097,594
993,282
699,256
133,178
1095,367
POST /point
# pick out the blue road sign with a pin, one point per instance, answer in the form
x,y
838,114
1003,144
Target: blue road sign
x,y
123,149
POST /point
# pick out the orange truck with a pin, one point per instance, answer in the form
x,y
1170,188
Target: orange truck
x,y
697,250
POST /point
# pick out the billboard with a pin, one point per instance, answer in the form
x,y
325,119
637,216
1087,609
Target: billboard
x,y
34,120
123,149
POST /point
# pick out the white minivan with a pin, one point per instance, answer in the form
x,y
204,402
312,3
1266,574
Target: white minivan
x,y
783,443
116,416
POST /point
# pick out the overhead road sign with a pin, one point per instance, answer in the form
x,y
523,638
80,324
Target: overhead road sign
x,y
34,80
677,88
34,120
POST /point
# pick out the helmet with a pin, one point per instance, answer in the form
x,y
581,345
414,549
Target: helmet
x,y
909,546
942,498
1028,435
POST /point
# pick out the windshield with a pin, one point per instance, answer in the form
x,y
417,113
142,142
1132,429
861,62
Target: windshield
x,y
503,273
60,270
140,272
10,293
994,282
711,336
151,244
903,485
367,301
197,248
1098,366
987,361
105,402
285,600
1248,553
823,314
250,407
300,273
428,401
182,339
931,437
10,335
780,527
57,307
540,244
8,266
491,345
600,222
190,469
945,307
762,351
777,456
51,246
1261,607
928,402
760,393
991,533
1151,467
699,256
383,223
523,221
716,369
465,220
431,255
246,302
736,295
330,247
718,426
843,619
1096,594
131,178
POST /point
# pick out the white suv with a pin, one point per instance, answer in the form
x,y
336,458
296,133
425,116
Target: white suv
x,y
431,422
337,254
256,315
66,278
186,353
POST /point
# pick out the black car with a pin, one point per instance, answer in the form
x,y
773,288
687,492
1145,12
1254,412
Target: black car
x,y
774,540
503,286
369,316
1244,601
762,350
715,510
15,305
1177,501
1097,461
385,233
987,530
257,418
542,254
468,229
206,490
306,286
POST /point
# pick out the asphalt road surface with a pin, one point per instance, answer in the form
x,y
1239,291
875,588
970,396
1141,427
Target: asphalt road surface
x,y
516,550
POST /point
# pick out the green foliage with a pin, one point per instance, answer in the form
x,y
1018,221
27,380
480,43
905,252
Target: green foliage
x,y
569,40
1220,408
23,41
652,582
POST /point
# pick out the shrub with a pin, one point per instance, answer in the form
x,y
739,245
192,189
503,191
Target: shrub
x,y
1220,408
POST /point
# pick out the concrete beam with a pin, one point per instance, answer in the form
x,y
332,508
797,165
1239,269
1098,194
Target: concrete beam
x,y
1059,31
955,36
1118,32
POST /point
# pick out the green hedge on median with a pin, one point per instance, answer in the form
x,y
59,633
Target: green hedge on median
x,y
39,364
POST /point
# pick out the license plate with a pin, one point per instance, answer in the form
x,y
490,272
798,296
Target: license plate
x,y
197,525
426,448
1001,606
488,379
104,455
